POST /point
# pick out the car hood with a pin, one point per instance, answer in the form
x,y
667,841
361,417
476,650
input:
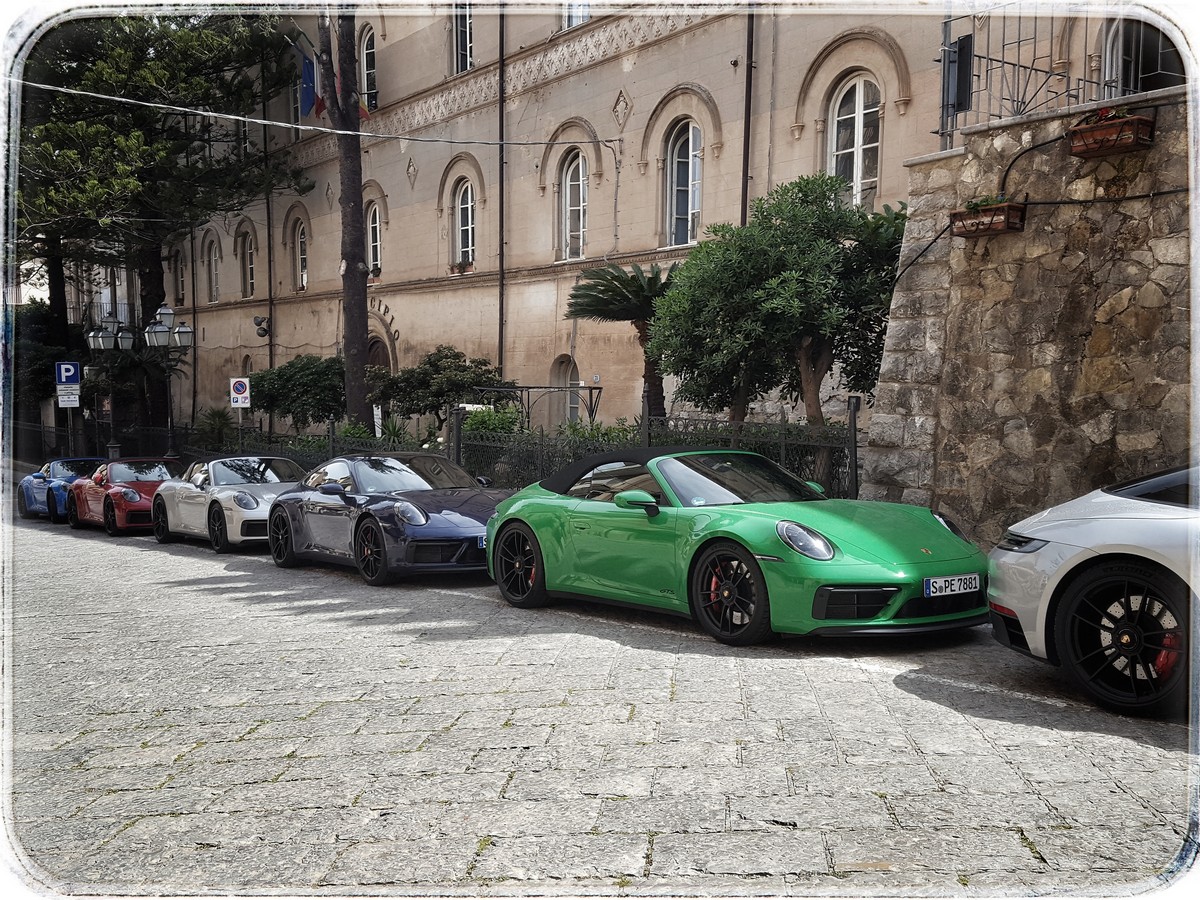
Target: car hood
x,y
1100,505
871,530
455,504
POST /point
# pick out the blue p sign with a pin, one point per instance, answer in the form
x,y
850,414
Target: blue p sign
x,y
66,373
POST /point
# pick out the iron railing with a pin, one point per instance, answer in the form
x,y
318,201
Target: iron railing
x,y
1022,57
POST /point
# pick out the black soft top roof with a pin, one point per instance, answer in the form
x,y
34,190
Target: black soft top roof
x,y
562,480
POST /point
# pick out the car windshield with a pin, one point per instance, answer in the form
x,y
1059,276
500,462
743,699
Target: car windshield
x,y
1175,488
718,479
148,470
382,474
254,470
74,468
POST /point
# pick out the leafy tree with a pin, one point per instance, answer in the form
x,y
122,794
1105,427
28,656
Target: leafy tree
x,y
344,104
440,380
307,389
133,131
611,294
34,356
805,284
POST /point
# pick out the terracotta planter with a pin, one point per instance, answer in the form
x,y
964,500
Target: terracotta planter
x,y
987,220
1110,136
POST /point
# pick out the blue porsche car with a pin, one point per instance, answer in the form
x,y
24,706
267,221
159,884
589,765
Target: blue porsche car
x,y
44,492
404,513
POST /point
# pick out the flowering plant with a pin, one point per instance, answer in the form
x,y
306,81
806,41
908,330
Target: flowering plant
x,y
1106,114
986,200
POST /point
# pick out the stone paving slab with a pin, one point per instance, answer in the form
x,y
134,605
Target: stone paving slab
x,y
211,725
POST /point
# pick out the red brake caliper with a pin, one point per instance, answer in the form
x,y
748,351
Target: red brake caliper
x,y
1165,659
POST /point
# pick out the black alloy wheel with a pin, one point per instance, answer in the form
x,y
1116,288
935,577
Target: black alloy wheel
x,y
518,567
110,519
370,553
73,512
1121,633
218,531
279,539
161,522
728,595
52,512
23,507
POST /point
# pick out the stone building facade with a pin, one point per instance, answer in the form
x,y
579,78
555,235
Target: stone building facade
x,y
1021,369
595,107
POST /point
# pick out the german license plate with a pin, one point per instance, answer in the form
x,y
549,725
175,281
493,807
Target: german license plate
x,y
482,541
951,584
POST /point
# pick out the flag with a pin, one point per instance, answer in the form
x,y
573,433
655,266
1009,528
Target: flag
x,y
363,112
308,84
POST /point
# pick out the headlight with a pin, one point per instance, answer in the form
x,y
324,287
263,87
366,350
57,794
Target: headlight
x,y
130,495
245,501
1018,543
804,540
410,514
951,527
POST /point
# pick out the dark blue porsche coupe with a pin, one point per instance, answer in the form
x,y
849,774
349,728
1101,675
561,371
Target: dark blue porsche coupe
x,y
399,514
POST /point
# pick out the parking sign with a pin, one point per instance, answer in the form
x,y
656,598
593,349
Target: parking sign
x,y
239,392
66,373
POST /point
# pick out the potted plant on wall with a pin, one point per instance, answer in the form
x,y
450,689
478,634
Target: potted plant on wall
x,y
1109,130
987,215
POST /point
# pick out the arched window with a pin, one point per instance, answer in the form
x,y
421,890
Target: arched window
x,y
565,374
366,76
178,279
573,198
212,263
300,256
464,223
1137,58
374,240
245,253
684,150
464,39
247,364
854,141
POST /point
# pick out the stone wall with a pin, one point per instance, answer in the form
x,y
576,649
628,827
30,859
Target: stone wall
x,y
1025,368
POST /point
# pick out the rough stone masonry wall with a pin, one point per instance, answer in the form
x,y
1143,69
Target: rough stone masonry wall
x,y
1023,369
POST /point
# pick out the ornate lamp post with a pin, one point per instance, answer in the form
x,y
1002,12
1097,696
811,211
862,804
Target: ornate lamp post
x,y
170,344
174,344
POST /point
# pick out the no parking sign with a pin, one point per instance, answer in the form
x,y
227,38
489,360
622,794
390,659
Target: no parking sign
x,y
239,392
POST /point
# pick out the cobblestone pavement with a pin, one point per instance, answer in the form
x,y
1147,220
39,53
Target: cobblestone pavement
x,y
183,723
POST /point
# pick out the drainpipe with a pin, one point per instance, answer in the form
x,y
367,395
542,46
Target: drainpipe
x,y
270,254
500,215
746,115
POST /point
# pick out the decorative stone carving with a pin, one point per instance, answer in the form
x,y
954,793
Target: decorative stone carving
x,y
621,109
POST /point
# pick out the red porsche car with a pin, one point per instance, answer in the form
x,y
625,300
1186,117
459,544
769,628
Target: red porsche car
x,y
118,494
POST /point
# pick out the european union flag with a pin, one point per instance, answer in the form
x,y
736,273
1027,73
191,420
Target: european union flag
x,y
308,84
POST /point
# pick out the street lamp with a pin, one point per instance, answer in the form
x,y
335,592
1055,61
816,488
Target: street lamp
x,y
174,345
109,335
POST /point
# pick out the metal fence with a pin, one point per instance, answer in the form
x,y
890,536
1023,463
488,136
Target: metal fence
x,y
1018,57
827,455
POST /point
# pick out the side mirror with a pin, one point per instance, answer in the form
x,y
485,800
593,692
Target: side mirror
x,y
484,481
331,487
637,500
816,487
38,476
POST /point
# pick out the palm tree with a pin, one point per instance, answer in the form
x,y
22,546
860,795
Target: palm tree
x,y
612,294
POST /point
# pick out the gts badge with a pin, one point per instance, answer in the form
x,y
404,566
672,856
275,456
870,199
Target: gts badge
x,y
667,592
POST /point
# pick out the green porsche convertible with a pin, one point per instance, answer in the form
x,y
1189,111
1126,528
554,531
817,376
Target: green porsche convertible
x,y
738,543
